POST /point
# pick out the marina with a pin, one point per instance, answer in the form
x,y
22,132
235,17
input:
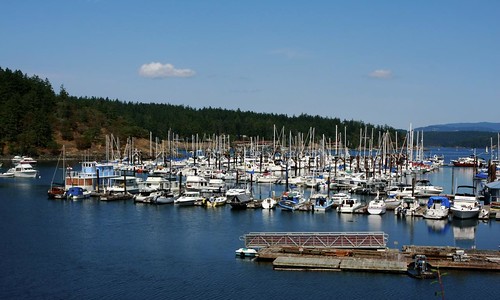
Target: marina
x,y
131,243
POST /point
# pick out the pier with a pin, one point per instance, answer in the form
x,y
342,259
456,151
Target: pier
x,y
360,251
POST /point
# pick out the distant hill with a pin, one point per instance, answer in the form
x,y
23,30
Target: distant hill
x,y
480,126
460,134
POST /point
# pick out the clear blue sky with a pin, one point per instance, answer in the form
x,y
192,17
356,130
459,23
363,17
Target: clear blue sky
x,y
381,62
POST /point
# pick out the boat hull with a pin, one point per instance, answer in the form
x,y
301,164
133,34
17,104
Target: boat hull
x,y
246,252
268,203
464,213
376,210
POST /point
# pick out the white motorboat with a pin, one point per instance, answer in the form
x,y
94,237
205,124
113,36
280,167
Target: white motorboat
x,y
400,190
246,252
349,205
423,187
23,170
147,196
6,175
23,160
465,204
437,208
408,206
376,206
338,198
188,198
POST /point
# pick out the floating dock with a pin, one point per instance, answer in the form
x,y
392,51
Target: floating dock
x,y
359,251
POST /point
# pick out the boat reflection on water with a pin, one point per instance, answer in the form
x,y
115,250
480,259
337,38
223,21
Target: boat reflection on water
x,y
375,222
437,226
268,216
464,233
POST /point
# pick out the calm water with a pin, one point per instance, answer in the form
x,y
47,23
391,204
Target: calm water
x,y
120,250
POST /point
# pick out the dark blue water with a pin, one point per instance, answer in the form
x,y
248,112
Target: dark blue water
x,y
120,250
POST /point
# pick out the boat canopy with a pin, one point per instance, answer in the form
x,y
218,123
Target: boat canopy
x,y
494,185
443,200
75,190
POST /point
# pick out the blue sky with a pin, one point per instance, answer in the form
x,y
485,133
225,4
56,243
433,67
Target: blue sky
x,y
382,62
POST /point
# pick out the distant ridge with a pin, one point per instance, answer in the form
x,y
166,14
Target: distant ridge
x,y
480,126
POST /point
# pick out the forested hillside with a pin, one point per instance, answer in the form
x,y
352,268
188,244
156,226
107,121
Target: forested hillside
x,y
36,120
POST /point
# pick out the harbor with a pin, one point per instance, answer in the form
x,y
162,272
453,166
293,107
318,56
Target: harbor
x,y
125,248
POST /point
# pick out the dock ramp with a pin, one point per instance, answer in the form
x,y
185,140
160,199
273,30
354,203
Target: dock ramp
x,y
345,240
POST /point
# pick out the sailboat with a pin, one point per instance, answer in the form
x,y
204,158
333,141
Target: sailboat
x,y
57,189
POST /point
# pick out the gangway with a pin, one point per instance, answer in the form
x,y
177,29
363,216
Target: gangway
x,y
345,240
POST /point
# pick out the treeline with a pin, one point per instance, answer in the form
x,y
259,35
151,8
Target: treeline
x,y
26,112
34,118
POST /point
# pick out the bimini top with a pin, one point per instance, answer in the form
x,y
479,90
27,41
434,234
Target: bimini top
x,y
443,200
494,185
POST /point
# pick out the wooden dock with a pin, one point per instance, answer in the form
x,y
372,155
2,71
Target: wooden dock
x,y
321,258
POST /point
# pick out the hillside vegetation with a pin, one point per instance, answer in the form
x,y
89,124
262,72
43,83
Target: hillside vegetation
x,y
38,121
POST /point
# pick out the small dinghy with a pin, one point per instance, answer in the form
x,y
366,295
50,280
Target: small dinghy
x,y
246,252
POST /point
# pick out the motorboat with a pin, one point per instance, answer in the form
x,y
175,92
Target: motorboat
x,y
376,206
214,201
77,193
7,175
400,190
424,187
465,203
291,200
438,208
246,252
321,202
408,206
147,196
349,205
420,268
23,160
24,171
468,161
189,198
338,198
